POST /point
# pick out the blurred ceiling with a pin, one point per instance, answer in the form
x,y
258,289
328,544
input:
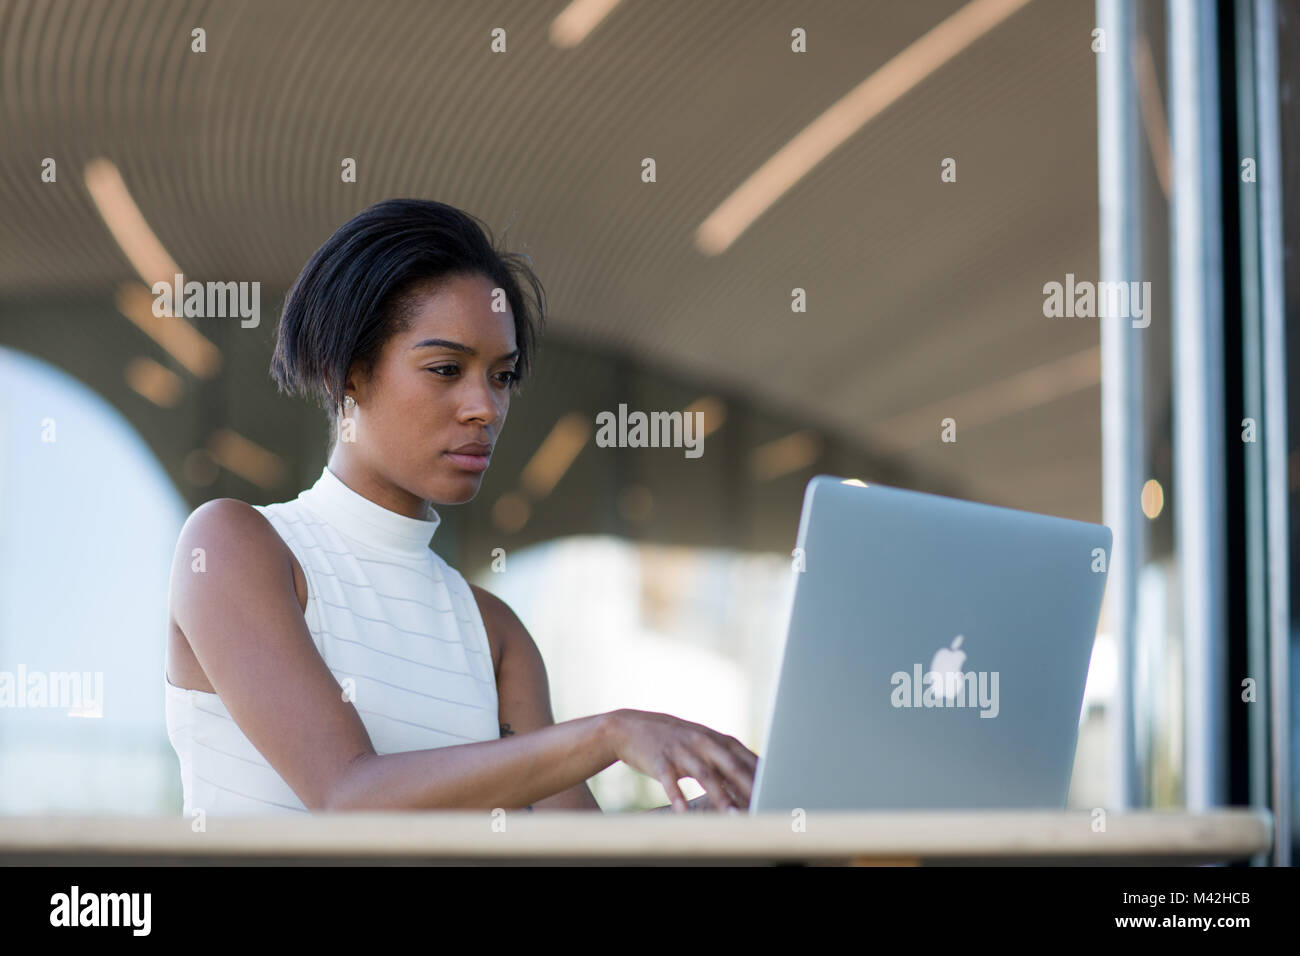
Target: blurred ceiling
x,y
924,297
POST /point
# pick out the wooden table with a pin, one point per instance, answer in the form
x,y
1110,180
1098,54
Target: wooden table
x,y
479,837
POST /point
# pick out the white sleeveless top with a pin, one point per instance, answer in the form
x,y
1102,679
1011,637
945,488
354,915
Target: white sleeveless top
x,y
396,625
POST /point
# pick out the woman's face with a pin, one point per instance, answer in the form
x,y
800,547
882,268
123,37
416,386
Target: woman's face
x,y
441,385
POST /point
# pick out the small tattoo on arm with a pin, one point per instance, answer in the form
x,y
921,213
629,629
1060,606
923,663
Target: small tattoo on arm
x,y
507,732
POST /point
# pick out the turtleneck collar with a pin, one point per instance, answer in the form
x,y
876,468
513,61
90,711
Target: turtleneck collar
x,y
356,516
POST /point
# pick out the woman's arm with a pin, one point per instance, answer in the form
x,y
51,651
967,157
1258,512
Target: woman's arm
x,y
524,705
511,773
523,691
578,797
243,621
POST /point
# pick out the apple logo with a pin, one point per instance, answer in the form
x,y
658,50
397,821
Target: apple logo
x,y
947,663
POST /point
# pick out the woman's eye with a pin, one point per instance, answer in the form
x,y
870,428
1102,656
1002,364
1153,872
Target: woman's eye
x,y
446,371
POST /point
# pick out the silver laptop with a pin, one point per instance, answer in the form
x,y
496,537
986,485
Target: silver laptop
x,y
936,654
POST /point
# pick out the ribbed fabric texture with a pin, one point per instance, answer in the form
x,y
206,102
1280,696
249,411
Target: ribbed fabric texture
x,y
386,613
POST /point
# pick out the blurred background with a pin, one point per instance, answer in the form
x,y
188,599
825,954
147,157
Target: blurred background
x,y
827,226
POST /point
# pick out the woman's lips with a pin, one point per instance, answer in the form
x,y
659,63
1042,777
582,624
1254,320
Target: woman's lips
x,y
469,462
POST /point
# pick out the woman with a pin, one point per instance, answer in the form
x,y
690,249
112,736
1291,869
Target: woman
x,y
320,655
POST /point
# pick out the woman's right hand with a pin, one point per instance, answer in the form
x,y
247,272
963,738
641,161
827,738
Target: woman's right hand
x,y
668,748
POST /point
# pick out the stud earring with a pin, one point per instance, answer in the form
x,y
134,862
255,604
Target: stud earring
x,y
349,402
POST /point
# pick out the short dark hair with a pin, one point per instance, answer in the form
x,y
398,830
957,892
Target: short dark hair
x,y
357,291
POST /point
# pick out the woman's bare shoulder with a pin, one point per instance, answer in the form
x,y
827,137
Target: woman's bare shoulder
x,y
231,523
219,537
229,529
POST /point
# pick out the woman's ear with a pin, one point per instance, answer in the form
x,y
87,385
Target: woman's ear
x,y
348,383
355,383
